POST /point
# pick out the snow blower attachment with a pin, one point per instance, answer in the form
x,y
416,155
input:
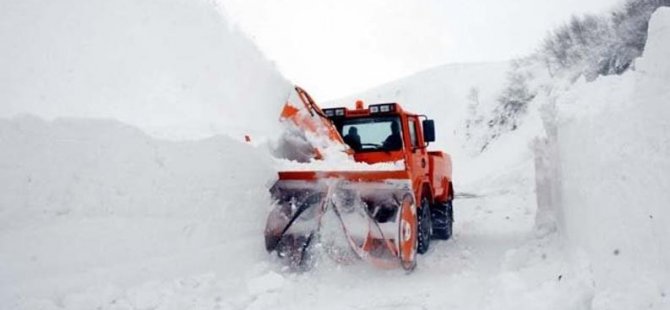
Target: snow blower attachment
x,y
377,220
375,200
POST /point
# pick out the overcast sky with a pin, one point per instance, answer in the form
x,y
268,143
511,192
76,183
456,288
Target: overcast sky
x,y
336,47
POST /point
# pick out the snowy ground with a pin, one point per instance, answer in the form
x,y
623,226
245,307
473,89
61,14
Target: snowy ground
x,y
96,214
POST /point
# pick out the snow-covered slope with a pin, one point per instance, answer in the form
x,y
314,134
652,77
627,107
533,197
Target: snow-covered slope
x,y
91,207
174,68
600,177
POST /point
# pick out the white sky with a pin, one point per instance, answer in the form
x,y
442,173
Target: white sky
x,y
334,48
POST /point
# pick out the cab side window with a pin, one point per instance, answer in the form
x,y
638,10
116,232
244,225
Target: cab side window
x,y
412,132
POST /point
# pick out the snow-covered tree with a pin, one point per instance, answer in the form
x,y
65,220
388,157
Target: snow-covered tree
x,y
593,45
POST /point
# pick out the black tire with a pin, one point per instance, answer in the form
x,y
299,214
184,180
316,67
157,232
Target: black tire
x,y
443,220
425,226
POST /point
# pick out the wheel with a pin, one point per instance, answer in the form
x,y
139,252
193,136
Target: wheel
x,y
425,226
407,234
443,219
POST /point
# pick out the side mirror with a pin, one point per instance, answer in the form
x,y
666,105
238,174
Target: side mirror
x,y
428,130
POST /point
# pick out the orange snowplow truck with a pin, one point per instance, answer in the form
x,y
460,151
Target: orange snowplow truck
x,y
384,208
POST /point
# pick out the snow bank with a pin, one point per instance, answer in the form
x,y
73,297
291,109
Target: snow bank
x,y
174,68
91,207
612,156
90,203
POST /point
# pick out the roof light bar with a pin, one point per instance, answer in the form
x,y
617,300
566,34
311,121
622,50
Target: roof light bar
x,y
336,112
382,108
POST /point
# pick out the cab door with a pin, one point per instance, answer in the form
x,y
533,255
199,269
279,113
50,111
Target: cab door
x,y
419,158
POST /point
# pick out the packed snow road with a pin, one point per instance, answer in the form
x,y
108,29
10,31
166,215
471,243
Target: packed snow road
x,y
455,274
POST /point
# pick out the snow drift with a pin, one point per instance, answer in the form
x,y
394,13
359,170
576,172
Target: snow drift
x,y
174,68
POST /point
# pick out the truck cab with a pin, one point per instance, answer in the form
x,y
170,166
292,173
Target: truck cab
x,y
387,133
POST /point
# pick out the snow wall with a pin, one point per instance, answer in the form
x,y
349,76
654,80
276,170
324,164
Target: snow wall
x,y
97,205
175,68
610,160
91,197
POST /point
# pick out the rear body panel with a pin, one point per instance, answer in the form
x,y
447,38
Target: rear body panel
x,y
440,175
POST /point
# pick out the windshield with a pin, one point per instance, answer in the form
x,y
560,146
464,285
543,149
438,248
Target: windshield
x,y
372,133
